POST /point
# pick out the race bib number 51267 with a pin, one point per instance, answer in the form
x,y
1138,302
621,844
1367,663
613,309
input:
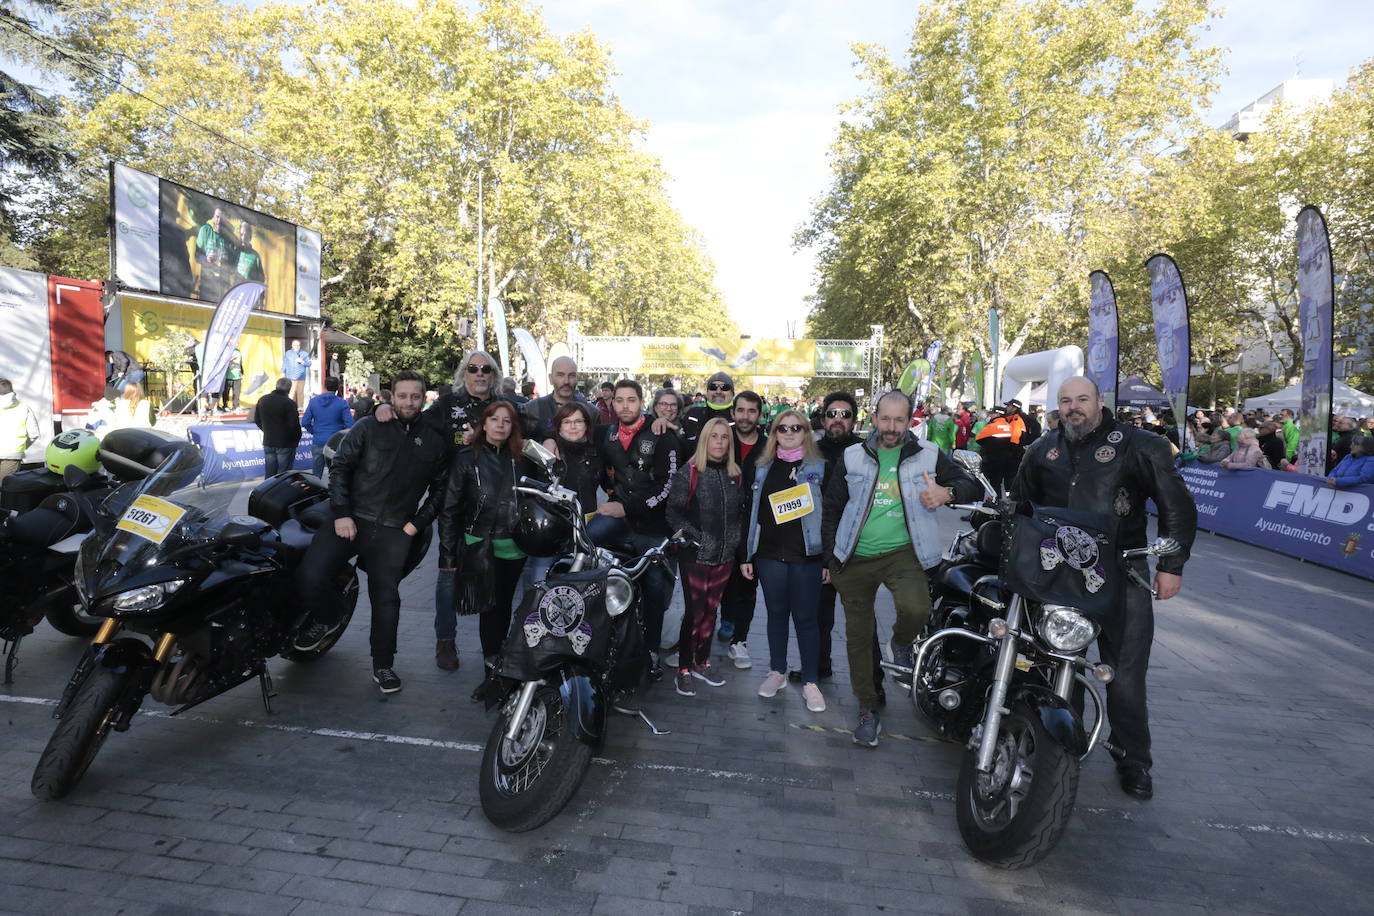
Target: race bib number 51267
x,y
151,518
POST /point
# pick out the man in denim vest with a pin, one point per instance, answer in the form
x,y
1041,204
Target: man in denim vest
x,y
878,528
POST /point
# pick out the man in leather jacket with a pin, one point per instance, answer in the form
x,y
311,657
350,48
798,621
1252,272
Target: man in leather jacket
x,y
375,484
1093,462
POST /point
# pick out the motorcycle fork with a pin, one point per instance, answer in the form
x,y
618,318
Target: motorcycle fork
x,y
1001,682
522,708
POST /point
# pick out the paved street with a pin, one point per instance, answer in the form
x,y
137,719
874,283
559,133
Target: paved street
x,y
342,802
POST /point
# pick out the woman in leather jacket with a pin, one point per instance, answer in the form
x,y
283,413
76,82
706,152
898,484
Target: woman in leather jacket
x,y
477,523
578,467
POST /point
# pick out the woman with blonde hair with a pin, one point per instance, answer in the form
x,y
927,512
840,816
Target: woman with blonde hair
x,y
706,502
783,548
131,409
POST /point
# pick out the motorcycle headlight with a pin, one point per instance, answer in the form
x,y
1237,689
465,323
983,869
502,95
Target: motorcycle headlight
x,y
620,593
1065,629
147,597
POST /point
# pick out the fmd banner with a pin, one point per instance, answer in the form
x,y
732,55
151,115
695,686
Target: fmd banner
x,y
1102,337
233,451
1293,514
1169,302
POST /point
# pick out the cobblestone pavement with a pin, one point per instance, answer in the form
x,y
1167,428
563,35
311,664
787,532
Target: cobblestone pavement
x,y
344,802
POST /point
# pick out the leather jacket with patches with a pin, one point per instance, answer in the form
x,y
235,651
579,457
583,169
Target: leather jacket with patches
x,y
641,475
457,412
1113,469
480,499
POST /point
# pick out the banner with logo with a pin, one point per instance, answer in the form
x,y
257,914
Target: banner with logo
x,y
932,360
225,327
979,392
233,451
799,358
1316,298
1169,302
916,374
1289,513
25,346
1103,355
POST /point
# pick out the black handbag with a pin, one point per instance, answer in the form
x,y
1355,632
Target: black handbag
x,y
475,579
1056,555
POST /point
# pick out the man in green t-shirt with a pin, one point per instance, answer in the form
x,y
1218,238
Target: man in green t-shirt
x,y
878,528
249,265
214,252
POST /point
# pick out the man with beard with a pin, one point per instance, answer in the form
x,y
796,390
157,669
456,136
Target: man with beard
x,y
839,413
375,485
720,398
1092,462
453,416
537,415
878,528
741,593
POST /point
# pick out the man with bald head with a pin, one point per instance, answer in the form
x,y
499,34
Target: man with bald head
x,y
1094,463
538,413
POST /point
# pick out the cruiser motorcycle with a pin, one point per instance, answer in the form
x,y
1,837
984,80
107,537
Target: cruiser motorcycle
x,y
1005,671
576,638
193,602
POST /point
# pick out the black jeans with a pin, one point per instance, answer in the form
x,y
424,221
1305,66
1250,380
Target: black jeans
x,y
494,623
737,606
1126,647
384,550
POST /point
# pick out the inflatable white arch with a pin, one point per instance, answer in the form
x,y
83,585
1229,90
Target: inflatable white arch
x,y
1049,366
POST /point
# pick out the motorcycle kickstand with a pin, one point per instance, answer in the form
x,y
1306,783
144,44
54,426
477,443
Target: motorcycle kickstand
x,y
11,659
265,681
652,727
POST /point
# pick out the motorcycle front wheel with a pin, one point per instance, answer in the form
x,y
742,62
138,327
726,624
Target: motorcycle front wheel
x,y
1013,816
524,783
79,734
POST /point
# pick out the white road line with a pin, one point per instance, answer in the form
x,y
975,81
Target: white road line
x,y
1304,833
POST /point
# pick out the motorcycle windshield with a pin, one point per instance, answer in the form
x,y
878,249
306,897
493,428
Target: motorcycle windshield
x,y
149,518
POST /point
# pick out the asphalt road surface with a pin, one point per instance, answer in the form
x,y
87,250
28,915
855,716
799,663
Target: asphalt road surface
x,y
344,802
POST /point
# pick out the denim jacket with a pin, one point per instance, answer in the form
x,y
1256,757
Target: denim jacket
x,y
811,472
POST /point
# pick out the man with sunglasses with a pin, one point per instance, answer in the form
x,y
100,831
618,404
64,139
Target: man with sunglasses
x,y
720,399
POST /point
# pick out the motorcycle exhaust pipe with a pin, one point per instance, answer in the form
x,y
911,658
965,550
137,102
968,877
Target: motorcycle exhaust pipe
x,y
949,699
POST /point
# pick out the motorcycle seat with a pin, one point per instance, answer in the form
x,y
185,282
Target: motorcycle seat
x,y
134,453
58,516
294,541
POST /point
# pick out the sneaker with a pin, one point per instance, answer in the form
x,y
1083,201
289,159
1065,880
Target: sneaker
x,y
739,654
726,631
704,673
386,680
904,656
866,732
625,702
446,655
814,701
670,659
682,683
772,684
309,637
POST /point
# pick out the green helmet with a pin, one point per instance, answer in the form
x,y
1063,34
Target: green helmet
x,y
74,448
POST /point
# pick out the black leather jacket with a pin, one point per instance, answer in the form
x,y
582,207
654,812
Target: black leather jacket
x,y
479,499
457,412
642,475
382,469
1114,469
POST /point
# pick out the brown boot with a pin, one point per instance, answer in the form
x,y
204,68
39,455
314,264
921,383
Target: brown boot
x,y
446,655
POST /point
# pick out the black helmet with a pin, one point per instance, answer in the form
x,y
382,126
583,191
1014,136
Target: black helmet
x,y
539,532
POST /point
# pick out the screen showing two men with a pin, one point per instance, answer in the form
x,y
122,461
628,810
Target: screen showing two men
x,y
208,246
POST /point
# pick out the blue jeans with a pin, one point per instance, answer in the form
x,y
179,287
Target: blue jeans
x,y
791,590
445,611
278,460
656,585
317,452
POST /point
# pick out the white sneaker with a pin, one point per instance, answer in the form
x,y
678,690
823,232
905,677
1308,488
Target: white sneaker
x,y
772,684
670,660
814,701
739,654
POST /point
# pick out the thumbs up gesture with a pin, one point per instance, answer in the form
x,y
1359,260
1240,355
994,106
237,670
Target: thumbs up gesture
x,y
934,495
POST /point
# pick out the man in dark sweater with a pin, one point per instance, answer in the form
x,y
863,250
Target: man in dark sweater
x,y
276,416
720,400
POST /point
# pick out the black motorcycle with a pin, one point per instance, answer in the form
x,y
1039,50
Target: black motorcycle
x,y
39,540
576,638
1005,671
193,602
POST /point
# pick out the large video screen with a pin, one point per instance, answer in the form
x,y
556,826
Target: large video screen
x,y
177,241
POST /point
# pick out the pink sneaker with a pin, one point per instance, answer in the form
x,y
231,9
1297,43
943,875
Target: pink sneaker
x,y
814,701
772,684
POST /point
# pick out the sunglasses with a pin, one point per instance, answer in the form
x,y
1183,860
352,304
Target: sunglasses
x,y
841,414
790,428
718,386
485,370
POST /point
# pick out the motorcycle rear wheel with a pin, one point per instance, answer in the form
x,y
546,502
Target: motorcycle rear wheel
x,y
79,734
1014,816
524,783
68,618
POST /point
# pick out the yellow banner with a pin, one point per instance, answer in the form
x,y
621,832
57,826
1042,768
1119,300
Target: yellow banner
x,y
706,355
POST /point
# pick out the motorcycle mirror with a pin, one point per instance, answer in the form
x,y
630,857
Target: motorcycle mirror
x,y
539,455
968,460
237,534
1165,546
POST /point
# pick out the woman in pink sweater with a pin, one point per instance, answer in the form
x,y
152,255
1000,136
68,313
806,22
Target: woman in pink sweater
x,y
1247,453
